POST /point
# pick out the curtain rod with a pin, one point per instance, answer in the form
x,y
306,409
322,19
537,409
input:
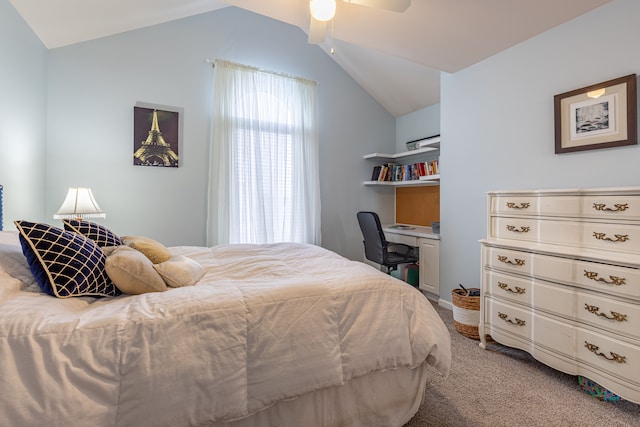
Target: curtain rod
x,y
213,64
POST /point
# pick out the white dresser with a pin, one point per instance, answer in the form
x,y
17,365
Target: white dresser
x,y
561,280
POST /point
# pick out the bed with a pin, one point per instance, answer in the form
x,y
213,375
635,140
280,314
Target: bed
x,y
270,335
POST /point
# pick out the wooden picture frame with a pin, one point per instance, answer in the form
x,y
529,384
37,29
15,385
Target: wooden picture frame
x,y
602,115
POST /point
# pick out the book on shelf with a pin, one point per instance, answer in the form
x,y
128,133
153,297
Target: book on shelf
x,y
435,167
376,173
385,173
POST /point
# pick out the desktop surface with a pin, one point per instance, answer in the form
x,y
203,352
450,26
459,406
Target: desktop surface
x,y
410,230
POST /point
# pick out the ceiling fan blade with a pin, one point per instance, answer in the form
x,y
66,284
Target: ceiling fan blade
x,y
393,5
317,31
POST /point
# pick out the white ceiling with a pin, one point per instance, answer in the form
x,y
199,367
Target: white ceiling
x,y
395,57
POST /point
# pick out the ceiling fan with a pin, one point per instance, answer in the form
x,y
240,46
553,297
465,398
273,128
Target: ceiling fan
x,y
323,11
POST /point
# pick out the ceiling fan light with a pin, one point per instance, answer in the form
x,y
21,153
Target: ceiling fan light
x,y
322,10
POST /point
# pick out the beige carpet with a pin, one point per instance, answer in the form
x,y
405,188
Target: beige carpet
x,y
501,386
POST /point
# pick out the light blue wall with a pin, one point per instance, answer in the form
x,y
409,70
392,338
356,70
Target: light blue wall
x,y
498,128
22,118
419,124
93,86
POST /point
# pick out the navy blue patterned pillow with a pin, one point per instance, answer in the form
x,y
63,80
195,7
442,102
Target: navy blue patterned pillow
x,y
99,234
64,264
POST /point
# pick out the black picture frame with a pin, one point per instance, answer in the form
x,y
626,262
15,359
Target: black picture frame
x,y
156,136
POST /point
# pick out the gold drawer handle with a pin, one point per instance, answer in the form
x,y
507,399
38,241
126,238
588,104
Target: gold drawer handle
x,y
513,205
523,229
614,314
518,262
519,290
615,280
517,322
618,237
614,356
620,207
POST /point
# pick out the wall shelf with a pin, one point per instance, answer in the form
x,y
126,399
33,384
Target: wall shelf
x,y
424,180
404,158
435,177
379,157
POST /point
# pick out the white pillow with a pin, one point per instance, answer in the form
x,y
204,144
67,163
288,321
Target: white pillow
x,y
9,237
180,271
132,272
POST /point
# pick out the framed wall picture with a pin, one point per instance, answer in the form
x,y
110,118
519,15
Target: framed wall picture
x,y
156,134
597,116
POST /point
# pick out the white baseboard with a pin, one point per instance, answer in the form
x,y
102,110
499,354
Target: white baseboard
x,y
445,304
436,299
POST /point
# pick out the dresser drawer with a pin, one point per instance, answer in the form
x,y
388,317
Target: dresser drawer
x,y
599,350
531,205
606,206
508,259
599,277
513,319
603,352
615,316
505,286
611,207
608,354
606,236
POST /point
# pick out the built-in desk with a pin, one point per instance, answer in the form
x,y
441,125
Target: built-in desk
x,y
428,244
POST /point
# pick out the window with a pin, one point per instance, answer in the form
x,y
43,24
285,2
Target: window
x,y
264,185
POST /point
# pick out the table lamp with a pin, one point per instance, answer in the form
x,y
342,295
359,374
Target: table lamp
x,y
79,204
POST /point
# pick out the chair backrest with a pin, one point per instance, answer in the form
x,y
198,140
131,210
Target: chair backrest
x,y
374,241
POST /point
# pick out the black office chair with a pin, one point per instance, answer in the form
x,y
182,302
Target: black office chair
x,y
377,249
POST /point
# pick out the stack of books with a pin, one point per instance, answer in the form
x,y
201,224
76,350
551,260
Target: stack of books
x,y
410,172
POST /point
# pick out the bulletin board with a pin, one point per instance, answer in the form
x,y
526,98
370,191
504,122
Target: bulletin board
x,y
418,205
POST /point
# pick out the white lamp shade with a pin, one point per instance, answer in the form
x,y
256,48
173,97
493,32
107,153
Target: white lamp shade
x,y
322,10
79,203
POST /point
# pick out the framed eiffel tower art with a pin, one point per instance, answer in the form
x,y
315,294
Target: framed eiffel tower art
x,y
155,137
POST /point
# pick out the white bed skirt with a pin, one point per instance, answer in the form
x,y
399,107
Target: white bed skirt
x,y
380,399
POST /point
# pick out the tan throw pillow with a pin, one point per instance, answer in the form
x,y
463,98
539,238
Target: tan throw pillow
x,y
132,272
108,250
154,250
180,271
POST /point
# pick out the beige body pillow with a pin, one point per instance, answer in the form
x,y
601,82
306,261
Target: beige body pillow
x,y
180,271
132,272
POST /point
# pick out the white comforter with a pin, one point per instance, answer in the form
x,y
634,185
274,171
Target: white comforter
x,y
266,323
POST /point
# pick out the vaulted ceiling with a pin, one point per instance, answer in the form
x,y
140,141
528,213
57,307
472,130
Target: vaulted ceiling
x,y
396,57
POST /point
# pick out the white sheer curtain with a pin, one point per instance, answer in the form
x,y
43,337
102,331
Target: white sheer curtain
x,y
264,178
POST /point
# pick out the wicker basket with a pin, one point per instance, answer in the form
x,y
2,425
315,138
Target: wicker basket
x,y
466,313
